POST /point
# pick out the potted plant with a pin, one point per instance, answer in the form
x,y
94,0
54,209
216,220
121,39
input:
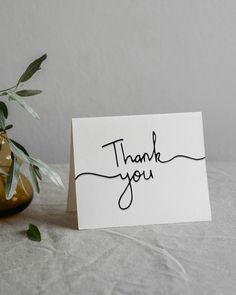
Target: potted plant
x,y
16,191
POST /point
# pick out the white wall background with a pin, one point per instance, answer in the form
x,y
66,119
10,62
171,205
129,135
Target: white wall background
x,y
121,57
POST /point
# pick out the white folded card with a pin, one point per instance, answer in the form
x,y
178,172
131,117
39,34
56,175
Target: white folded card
x,y
136,170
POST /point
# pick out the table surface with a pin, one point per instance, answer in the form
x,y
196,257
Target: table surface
x,y
190,258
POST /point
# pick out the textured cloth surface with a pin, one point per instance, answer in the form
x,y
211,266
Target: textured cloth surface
x,y
190,258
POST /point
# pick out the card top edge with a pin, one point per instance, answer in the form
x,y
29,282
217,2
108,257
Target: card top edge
x,y
141,115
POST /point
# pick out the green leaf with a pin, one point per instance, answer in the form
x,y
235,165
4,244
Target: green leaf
x,y
37,172
28,92
19,147
33,233
3,107
3,93
34,179
22,103
18,150
2,120
31,69
52,175
12,178
8,127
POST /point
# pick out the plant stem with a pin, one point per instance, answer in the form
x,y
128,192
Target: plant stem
x,y
8,89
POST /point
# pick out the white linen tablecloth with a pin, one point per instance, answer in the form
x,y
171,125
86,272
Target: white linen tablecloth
x,y
190,258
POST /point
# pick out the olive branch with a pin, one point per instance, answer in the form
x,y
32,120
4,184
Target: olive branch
x,y
19,154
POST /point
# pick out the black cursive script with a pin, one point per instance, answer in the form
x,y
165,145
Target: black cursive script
x,y
136,175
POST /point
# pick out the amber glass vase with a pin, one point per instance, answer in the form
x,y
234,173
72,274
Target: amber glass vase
x,y
24,191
